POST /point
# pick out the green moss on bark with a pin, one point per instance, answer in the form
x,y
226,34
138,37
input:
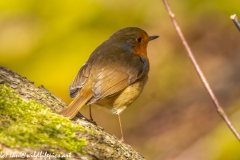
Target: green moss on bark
x,y
28,124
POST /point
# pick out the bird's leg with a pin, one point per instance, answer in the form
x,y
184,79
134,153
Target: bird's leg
x,y
120,124
90,115
90,112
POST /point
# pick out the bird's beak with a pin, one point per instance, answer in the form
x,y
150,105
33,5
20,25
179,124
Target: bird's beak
x,y
152,38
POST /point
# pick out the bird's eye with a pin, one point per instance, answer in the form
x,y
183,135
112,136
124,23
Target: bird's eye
x,y
139,39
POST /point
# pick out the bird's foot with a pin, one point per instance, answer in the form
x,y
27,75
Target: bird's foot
x,y
92,121
122,139
79,115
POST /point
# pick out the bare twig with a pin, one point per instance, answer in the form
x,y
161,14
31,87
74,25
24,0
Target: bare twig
x,y
200,74
236,21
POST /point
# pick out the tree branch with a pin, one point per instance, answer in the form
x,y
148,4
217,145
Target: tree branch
x,y
99,144
235,21
199,72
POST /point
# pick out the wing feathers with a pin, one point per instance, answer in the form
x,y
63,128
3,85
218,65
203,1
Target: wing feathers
x,y
108,83
79,80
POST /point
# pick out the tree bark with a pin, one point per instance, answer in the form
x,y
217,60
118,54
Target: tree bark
x,y
100,145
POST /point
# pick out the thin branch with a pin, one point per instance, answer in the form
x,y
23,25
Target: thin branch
x,y
236,21
200,74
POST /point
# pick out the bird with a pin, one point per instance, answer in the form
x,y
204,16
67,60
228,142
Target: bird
x,y
114,75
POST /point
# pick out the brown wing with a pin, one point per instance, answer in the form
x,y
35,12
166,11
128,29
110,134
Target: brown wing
x,y
108,83
79,80
113,79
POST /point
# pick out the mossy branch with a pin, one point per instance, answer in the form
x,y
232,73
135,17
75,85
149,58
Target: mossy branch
x,y
29,124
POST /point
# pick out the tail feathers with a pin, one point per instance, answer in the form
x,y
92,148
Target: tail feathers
x,y
71,110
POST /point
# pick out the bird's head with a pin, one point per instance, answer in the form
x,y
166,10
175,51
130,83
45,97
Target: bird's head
x,y
132,39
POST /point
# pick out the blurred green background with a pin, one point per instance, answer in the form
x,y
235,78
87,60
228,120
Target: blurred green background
x,y
173,119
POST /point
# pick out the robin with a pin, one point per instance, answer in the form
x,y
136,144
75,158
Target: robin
x,y
114,75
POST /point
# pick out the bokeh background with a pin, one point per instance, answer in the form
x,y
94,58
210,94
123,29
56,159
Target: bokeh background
x,y
173,119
